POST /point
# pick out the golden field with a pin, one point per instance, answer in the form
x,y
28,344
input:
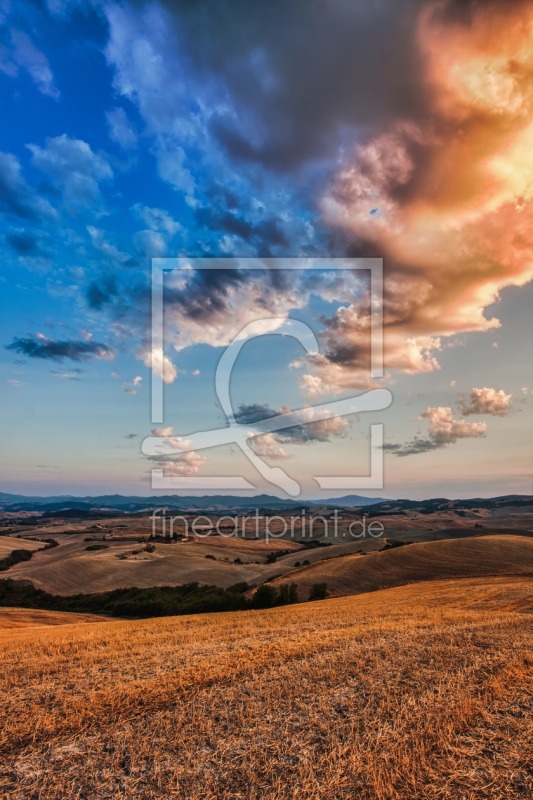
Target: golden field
x,y
420,691
471,557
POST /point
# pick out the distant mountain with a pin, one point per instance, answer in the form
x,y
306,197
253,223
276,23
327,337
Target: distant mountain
x,y
135,504
350,500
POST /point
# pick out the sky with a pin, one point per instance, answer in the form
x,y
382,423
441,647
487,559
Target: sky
x,y
213,133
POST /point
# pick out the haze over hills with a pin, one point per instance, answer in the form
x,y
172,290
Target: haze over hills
x,y
133,503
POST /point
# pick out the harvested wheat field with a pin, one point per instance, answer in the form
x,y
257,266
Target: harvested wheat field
x,y
8,544
14,618
453,558
70,568
420,691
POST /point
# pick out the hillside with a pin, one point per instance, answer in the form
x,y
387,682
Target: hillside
x,y
14,618
451,558
8,544
414,692
70,568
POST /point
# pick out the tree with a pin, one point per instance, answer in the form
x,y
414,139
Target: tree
x,y
319,591
287,594
265,597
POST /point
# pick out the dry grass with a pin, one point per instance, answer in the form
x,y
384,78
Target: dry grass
x,y
8,544
414,692
15,618
71,569
457,558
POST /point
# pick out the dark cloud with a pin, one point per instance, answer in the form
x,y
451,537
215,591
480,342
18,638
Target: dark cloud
x,y
300,73
100,292
25,244
17,198
71,375
207,293
313,431
41,347
265,235
413,447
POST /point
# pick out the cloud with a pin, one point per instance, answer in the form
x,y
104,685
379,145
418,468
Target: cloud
x,y
40,346
445,194
156,219
268,446
412,448
312,384
25,55
160,364
70,375
443,430
487,401
312,430
162,432
110,251
131,388
187,464
75,168
177,442
24,243
17,198
421,159
212,306
150,244
153,242
264,234
272,101
100,292
121,130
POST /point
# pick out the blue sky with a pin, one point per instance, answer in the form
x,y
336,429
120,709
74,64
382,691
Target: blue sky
x,y
139,130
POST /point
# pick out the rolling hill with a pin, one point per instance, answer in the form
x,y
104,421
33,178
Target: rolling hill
x,y
450,558
420,691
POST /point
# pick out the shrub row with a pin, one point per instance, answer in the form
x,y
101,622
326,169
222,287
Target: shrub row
x,y
157,601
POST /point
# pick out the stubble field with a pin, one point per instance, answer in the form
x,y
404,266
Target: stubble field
x,y
421,691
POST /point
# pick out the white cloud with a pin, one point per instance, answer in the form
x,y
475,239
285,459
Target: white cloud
x,y
17,198
25,55
268,446
312,384
188,464
444,429
120,129
131,388
99,241
487,401
156,219
150,244
161,365
142,49
76,169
